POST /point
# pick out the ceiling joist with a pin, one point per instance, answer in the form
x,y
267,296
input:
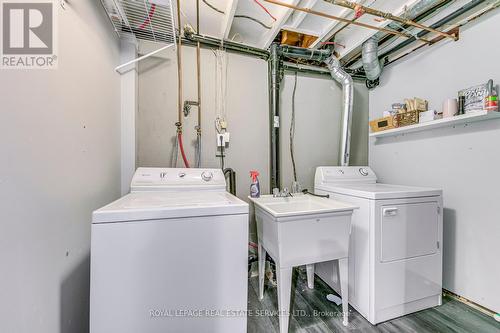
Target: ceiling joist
x,y
342,19
269,37
298,17
387,16
228,18
326,34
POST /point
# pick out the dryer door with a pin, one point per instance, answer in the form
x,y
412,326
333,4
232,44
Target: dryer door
x,y
408,257
408,230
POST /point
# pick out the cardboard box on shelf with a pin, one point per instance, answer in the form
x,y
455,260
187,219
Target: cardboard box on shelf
x,y
430,115
382,124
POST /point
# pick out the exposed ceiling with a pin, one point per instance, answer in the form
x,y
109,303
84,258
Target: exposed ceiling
x,y
236,20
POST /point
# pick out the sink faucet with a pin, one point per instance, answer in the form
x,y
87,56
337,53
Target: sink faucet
x,y
281,194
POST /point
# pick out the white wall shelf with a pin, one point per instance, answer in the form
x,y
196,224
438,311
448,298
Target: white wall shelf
x,y
445,122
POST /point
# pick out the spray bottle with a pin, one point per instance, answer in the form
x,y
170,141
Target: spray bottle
x,y
491,102
254,187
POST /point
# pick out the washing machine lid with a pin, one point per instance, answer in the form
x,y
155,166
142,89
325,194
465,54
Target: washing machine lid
x,y
378,191
153,205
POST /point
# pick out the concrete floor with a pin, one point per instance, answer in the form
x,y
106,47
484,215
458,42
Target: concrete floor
x,y
452,316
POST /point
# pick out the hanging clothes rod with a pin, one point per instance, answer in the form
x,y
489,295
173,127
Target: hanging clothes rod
x,y
118,69
388,16
342,19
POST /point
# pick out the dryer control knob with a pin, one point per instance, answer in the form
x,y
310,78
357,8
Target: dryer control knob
x,y
207,176
363,171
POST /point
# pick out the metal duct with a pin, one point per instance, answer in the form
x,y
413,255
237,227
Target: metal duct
x,y
469,6
339,75
422,7
371,63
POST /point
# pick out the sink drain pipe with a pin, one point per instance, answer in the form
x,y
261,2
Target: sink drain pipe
x,y
274,114
276,71
275,77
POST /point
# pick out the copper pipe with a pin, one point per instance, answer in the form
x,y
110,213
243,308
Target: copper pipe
x,y
198,73
198,64
179,67
389,16
341,19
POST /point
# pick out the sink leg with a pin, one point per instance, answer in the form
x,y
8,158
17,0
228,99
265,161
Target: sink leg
x,y
310,275
344,289
262,269
284,292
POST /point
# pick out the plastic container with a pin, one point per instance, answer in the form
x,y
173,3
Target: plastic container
x,y
255,186
491,103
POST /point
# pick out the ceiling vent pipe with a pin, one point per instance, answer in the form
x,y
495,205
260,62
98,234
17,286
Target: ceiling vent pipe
x,y
371,63
339,75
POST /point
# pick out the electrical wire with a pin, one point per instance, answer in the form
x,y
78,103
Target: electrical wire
x,y
198,150
265,9
220,88
222,153
255,20
150,16
242,16
175,153
213,7
236,34
292,129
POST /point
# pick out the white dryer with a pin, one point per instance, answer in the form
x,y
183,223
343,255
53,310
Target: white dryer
x,y
395,255
171,256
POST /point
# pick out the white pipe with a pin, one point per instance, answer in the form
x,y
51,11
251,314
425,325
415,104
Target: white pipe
x,y
142,58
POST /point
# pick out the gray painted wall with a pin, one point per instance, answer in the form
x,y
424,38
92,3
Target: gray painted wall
x,y
318,121
59,160
318,118
318,111
247,111
463,161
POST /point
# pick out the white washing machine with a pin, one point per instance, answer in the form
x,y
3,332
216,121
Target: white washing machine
x,y
395,254
171,256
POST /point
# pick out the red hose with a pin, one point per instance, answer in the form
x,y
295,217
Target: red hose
x,y
186,163
150,16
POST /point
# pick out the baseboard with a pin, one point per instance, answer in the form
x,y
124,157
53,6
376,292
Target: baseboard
x,y
469,303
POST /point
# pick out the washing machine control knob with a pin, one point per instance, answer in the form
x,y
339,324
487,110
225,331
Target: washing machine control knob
x,y
207,176
363,172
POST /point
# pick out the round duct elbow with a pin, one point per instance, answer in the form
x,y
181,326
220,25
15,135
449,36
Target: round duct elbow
x,y
371,64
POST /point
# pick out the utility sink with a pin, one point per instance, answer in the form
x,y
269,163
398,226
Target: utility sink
x,y
299,205
302,230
